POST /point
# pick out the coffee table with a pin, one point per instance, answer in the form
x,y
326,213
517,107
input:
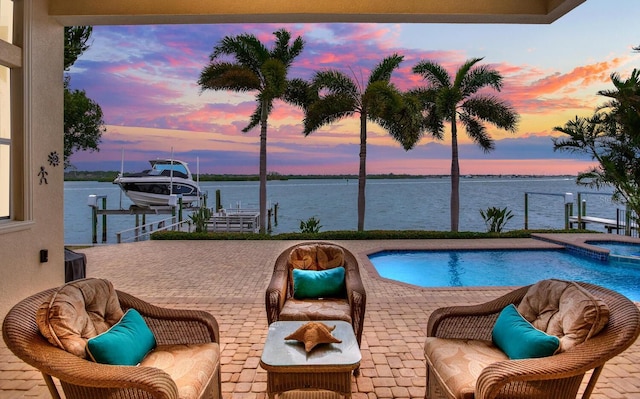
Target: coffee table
x,y
326,367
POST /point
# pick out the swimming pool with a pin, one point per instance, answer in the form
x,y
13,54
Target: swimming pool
x,y
618,247
469,268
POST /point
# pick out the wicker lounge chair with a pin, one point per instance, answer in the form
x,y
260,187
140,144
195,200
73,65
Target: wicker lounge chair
x,y
558,376
350,307
82,378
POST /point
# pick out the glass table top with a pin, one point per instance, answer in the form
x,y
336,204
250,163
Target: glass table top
x,y
280,352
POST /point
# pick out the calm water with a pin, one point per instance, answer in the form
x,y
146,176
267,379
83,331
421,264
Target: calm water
x,y
392,204
618,248
503,268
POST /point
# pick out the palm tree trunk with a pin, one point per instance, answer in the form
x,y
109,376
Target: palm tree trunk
x,y
263,167
362,177
455,178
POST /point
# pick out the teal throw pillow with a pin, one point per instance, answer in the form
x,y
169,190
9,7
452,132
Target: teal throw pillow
x,y
318,283
516,337
126,343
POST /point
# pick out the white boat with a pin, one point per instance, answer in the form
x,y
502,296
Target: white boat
x,y
154,187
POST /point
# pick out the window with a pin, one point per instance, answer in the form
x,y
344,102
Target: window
x,y
5,144
10,57
6,26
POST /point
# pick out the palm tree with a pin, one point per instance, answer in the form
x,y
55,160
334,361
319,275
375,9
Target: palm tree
x,y
338,96
612,138
255,68
459,101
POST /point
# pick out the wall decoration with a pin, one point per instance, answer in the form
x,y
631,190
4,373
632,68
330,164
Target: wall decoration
x,y
43,175
54,159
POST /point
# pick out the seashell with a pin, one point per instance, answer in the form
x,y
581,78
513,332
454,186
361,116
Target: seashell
x,y
312,334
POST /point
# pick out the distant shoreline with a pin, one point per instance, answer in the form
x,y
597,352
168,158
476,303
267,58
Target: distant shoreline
x,y
109,176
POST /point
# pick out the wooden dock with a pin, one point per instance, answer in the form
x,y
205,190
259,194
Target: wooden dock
x,y
235,221
609,224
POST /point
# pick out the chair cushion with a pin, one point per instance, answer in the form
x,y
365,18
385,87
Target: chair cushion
x,y
191,366
318,283
316,309
519,339
77,311
457,363
304,257
126,343
329,256
564,309
316,257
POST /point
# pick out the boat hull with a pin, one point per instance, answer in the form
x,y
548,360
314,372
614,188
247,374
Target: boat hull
x,y
157,192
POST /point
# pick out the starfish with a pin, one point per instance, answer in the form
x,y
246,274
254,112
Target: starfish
x,y
312,334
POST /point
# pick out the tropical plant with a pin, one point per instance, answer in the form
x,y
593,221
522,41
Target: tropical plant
x,y
312,225
495,218
200,217
611,136
83,119
259,69
335,95
461,101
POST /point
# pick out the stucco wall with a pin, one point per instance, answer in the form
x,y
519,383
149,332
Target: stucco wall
x,y
21,272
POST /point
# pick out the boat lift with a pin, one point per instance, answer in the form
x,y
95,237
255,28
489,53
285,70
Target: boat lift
x,y
98,204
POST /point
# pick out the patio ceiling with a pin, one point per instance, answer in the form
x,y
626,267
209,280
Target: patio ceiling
x,y
124,12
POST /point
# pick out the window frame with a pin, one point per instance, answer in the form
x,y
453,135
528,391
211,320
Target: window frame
x,y
12,57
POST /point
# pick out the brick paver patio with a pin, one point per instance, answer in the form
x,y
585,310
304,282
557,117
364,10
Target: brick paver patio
x,y
229,278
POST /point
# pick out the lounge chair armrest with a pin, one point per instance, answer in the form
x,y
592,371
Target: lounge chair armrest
x,y
174,326
472,321
155,382
496,378
56,362
353,283
276,294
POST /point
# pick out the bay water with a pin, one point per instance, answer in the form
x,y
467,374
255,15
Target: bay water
x,y
391,204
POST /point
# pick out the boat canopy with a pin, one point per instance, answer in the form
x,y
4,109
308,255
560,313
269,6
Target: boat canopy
x,y
161,165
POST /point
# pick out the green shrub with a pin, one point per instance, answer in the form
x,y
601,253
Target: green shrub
x,y
495,218
312,225
200,219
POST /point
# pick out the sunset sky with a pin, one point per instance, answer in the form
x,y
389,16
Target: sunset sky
x,y
145,80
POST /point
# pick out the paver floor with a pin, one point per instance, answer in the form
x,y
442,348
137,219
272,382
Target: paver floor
x,y
229,278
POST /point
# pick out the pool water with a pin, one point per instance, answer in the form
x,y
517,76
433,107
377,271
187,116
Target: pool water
x,y
470,268
618,248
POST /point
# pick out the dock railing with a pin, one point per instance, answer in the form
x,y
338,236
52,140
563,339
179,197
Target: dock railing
x,y
568,206
235,220
625,221
144,231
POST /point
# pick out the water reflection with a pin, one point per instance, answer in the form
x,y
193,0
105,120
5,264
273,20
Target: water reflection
x,y
455,270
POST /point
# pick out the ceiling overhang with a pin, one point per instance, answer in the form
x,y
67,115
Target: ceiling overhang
x,y
136,12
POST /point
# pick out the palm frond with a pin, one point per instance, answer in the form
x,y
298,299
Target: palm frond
x,y
254,120
463,71
583,134
335,82
246,49
274,75
492,110
433,73
327,110
228,76
479,77
300,93
434,122
283,51
477,132
381,95
404,120
383,71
